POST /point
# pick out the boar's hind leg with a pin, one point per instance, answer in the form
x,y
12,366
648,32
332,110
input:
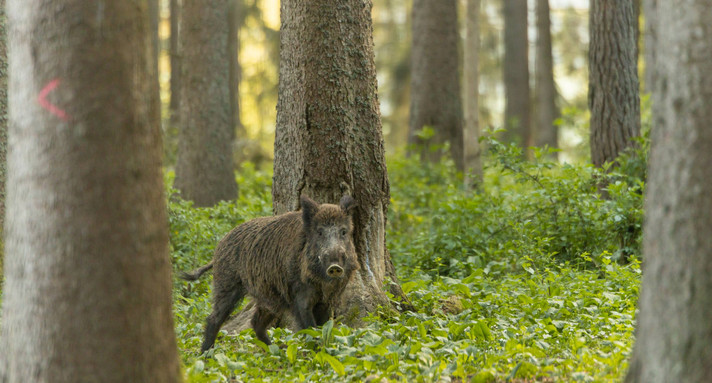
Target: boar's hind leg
x,y
224,301
260,321
322,313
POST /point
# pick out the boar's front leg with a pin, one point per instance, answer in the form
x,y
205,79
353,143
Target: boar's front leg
x,y
322,313
261,319
303,308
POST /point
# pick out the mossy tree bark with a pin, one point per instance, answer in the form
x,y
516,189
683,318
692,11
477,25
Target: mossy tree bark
x,y
435,98
204,169
87,293
674,330
613,88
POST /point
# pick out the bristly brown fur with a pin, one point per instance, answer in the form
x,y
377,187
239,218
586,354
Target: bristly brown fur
x,y
281,262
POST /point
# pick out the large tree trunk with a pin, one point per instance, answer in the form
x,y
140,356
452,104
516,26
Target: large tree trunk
x,y
328,139
204,170
547,113
517,107
674,330
87,294
613,89
435,99
473,151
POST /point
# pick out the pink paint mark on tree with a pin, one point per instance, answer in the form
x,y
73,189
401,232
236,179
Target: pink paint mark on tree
x,y
42,99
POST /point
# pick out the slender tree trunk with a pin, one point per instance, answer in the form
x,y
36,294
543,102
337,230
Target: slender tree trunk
x,y
435,98
651,42
175,9
613,95
473,151
3,116
674,330
87,294
235,23
517,108
328,138
547,112
205,171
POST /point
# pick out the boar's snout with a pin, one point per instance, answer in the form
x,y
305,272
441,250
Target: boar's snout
x,y
335,271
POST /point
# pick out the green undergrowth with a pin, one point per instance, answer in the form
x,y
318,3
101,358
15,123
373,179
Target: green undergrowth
x,y
533,278
535,211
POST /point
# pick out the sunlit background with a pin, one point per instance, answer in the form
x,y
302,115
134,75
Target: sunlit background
x,y
259,57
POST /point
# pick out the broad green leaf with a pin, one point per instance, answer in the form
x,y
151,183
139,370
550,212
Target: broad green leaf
x,y
333,362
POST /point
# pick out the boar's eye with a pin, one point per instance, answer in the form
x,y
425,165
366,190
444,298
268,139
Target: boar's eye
x,y
320,231
343,232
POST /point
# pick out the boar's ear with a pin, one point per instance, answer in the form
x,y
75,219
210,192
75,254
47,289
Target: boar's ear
x,y
309,208
347,204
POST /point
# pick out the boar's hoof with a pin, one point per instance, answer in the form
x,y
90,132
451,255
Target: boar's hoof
x,y
335,271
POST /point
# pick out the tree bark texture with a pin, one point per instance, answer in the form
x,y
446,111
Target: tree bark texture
x,y
154,17
87,295
674,330
328,136
517,107
636,15
613,89
471,134
3,115
204,169
545,87
435,98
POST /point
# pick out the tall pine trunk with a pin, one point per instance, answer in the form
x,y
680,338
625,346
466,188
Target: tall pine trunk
x,y
471,135
87,295
674,330
517,107
3,116
613,88
545,87
175,9
328,139
435,99
236,20
204,169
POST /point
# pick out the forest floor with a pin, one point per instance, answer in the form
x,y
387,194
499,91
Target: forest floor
x,y
535,278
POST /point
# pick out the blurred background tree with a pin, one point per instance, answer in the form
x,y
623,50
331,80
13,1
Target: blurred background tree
x,y
256,65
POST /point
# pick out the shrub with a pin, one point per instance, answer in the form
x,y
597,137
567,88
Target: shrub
x,y
528,211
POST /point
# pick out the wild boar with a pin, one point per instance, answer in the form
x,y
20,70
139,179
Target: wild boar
x,y
299,262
